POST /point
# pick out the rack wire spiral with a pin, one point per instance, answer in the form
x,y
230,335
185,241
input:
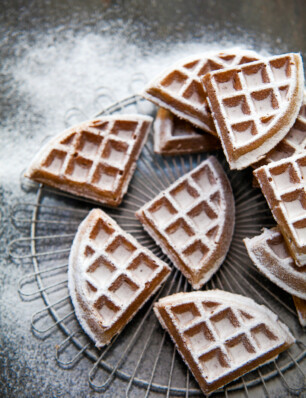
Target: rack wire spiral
x,y
143,355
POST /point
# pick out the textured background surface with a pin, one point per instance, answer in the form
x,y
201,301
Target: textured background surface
x,y
56,55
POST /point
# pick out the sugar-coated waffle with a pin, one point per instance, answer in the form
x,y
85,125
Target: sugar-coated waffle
x,y
255,105
110,276
269,253
221,335
94,159
283,183
174,136
180,90
193,221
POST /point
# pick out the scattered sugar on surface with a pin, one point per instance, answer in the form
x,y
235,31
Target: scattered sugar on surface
x,y
86,71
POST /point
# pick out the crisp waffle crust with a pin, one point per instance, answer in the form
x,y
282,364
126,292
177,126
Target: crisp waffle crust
x,y
174,136
255,105
283,183
221,335
179,88
110,276
269,253
193,221
95,159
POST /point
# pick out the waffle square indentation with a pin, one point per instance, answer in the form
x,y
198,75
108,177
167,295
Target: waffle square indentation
x,y
124,289
106,309
179,232
202,215
101,232
120,250
240,349
55,161
228,82
162,211
195,254
101,271
115,153
185,313
124,129
174,81
255,75
105,177
263,336
184,194
236,107
225,323
199,337
88,144
214,363
143,267
78,168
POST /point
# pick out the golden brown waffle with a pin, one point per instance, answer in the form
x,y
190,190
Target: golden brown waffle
x,y
255,105
173,136
221,335
300,306
110,276
293,143
283,183
179,89
94,159
269,253
193,221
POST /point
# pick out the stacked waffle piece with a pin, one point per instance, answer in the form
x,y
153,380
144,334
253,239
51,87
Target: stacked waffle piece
x,y
269,253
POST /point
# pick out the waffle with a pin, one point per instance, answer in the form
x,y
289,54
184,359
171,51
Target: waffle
x,y
173,136
221,335
193,221
293,143
95,159
283,184
269,253
255,105
110,276
300,306
179,88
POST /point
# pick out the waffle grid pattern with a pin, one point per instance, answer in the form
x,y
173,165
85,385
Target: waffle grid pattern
x,y
117,270
220,337
283,184
183,85
189,218
251,97
98,156
294,142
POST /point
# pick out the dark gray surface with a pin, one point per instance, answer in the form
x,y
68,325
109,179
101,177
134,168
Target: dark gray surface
x,y
56,55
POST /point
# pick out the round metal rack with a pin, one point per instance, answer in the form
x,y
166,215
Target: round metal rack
x,y
143,355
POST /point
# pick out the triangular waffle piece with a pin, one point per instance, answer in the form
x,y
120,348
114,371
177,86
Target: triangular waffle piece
x,y
269,253
255,105
110,276
300,306
221,335
293,143
284,183
193,221
179,89
174,136
95,159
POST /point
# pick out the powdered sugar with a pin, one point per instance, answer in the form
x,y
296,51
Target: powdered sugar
x,y
88,71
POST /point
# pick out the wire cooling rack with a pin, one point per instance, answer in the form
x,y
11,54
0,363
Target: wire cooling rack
x,y
143,355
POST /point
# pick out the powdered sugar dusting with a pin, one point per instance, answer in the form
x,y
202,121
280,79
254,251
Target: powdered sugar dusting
x,y
83,70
